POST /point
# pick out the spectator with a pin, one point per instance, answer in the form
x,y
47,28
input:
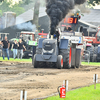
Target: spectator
x,y
20,49
6,45
15,47
21,37
67,28
0,47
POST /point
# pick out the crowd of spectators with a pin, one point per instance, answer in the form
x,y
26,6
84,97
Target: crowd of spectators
x,y
17,48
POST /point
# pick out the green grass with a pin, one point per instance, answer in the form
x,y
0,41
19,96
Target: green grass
x,y
91,63
16,60
86,93
30,60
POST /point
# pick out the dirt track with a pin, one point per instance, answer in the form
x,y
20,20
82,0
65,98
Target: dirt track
x,y
40,82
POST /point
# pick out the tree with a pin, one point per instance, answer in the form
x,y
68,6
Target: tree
x,y
93,2
17,9
0,12
8,6
1,0
36,15
26,2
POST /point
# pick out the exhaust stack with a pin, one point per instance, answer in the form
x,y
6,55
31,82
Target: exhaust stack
x,y
51,36
58,9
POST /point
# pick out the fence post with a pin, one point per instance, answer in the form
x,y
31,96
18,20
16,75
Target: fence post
x,y
23,95
66,84
95,82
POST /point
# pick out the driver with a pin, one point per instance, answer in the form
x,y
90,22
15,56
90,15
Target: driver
x,y
68,28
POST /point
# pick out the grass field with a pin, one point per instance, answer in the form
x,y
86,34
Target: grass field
x,y
30,60
16,60
86,93
91,63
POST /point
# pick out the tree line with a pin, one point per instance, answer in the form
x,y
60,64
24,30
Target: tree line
x,y
18,8
24,5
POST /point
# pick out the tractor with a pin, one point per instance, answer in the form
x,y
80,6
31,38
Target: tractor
x,y
43,35
60,52
29,41
93,45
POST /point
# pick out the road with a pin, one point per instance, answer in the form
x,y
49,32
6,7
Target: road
x,y
40,82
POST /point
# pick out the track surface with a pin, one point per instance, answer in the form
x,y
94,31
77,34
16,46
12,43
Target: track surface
x,y
40,82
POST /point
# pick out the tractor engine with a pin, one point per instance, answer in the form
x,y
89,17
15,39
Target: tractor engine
x,y
49,47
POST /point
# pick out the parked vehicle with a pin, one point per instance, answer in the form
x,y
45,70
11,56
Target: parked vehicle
x,y
29,41
93,45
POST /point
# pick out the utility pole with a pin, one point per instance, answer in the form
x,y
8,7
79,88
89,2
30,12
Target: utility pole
x,y
36,13
36,16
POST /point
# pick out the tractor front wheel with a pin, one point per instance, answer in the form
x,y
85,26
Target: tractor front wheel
x,y
34,62
59,62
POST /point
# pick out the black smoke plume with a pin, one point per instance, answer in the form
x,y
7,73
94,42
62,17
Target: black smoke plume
x,y
58,9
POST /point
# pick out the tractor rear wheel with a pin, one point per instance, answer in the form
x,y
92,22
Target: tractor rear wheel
x,y
98,53
77,66
59,62
34,62
95,54
66,57
67,63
